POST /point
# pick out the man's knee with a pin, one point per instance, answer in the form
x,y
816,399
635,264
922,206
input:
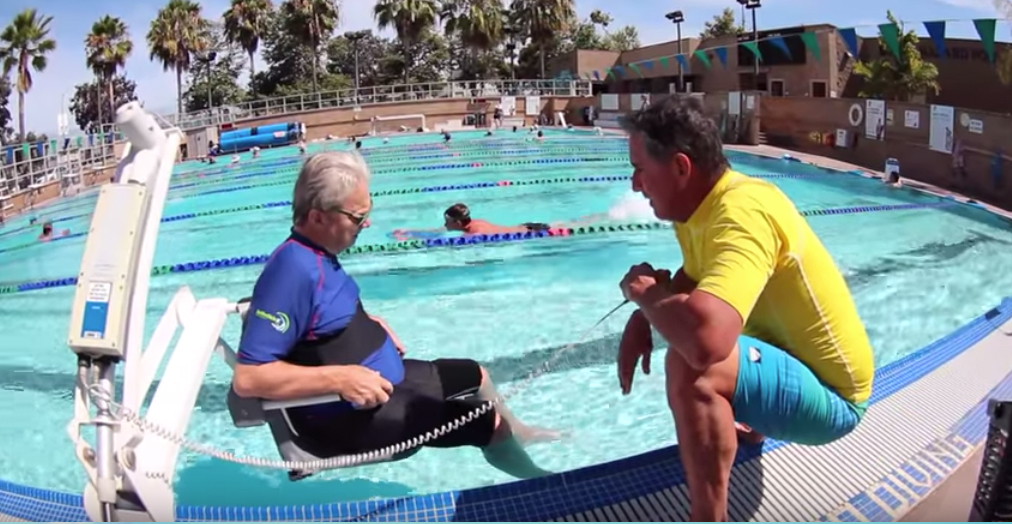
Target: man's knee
x,y
686,382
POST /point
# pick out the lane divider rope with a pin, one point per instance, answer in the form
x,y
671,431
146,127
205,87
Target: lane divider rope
x,y
473,240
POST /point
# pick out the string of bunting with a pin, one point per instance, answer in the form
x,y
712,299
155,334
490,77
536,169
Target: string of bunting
x,y
890,33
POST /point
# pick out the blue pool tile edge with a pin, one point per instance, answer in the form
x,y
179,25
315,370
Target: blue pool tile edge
x,y
550,497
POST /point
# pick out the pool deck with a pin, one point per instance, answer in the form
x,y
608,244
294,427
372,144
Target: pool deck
x,y
914,458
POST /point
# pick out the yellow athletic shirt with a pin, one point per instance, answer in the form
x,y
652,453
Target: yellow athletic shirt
x,y
747,245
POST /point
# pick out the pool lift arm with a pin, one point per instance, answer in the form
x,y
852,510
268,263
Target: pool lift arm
x,y
130,469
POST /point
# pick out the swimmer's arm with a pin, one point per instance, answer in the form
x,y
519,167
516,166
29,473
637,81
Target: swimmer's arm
x,y
703,325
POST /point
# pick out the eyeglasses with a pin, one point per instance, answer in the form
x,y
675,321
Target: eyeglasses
x,y
359,219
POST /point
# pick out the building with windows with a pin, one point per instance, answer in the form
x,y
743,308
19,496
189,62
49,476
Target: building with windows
x,y
967,77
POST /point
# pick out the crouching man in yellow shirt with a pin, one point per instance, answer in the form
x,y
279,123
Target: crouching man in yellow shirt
x,y
760,324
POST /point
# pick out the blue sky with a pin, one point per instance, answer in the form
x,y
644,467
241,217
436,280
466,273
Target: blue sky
x,y
73,19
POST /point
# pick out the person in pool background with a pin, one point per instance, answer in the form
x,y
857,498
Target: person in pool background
x,y
760,325
48,233
458,218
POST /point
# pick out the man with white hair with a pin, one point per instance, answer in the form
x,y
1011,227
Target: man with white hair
x,y
308,335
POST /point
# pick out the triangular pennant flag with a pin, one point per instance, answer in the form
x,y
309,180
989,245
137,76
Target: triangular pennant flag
x,y
936,30
703,57
597,76
648,65
811,41
891,34
778,41
618,71
608,73
682,62
754,47
721,53
849,36
663,61
52,146
985,28
635,68
26,152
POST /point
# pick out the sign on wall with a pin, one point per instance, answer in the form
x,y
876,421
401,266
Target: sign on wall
x,y
509,105
532,106
912,119
734,103
841,138
609,102
976,126
638,101
875,119
940,134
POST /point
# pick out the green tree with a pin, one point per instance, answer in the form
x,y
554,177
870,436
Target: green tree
x,y
312,23
24,45
289,64
723,24
216,79
372,50
412,20
1003,62
890,79
5,110
86,104
543,21
107,48
479,27
246,22
177,34
430,60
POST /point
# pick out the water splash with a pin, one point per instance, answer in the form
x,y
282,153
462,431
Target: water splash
x,y
631,207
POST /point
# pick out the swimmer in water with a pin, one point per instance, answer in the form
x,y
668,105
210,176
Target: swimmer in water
x,y
358,144
458,218
446,137
302,146
47,232
256,151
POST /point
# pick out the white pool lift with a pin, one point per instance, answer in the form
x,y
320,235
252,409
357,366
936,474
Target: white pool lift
x,y
132,464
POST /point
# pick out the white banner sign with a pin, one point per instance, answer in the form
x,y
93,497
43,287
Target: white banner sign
x,y
875,119
940,134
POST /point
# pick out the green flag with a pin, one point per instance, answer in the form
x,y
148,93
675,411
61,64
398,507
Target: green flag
x,y
985,28
80,142
754,47
636,69
26,152
703,57
664,62
891,34
812,44
52,147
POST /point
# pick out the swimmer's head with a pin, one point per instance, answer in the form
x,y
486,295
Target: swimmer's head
x,y
358,144
514,129
541,134
47,228
456,217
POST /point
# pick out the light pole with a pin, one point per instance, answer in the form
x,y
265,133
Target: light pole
x,y
355,37
752,5
208,59
677,18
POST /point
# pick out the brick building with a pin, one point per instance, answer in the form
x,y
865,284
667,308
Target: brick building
x,y
966,77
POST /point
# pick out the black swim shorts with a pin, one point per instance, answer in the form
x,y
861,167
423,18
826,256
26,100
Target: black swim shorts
x,y
433,394
536,226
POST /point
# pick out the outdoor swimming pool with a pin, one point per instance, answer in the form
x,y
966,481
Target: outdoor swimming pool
x,y
917,274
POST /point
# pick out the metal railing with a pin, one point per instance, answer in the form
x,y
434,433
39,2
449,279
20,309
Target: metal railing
x,y
24,168
389,94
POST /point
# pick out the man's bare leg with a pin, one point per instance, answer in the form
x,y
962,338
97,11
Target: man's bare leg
x,y
707,437
523,433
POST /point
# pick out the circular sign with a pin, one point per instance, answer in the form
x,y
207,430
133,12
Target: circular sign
x,y
964,119
856,115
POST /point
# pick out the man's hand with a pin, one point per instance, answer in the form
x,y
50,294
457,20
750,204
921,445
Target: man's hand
x,y
637,342
642,279
361,386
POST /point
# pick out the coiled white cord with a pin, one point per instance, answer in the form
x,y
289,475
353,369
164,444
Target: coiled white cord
x,y
124,414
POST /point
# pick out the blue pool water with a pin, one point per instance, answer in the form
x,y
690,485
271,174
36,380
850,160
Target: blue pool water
x,y
916,274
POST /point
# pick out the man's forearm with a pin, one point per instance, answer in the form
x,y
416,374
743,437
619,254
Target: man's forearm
x,y
671,317
284,381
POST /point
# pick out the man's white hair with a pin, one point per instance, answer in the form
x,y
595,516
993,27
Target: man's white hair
x,y
325,181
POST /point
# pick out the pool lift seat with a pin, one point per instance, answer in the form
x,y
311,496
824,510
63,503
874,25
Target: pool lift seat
x,y
247,412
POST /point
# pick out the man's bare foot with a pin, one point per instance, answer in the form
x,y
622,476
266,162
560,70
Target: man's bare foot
x,y
531,435
747,435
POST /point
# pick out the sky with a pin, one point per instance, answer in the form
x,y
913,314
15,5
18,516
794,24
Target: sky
x,y
72,20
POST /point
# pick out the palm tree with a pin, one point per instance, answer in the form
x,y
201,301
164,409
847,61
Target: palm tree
x,y
480,24
23,48
411,19
177,34
107,48
246,23
312,22
543,20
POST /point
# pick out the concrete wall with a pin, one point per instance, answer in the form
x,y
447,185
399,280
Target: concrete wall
x,y
803,123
